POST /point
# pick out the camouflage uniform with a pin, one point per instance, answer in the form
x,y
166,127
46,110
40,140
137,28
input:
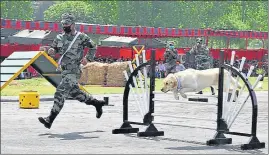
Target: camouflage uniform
x,y
71,71
170,57
203,60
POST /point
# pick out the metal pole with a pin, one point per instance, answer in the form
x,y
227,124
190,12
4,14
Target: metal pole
x,y
152,81
220,91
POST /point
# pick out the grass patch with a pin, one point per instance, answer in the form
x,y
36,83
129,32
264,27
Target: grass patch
x,y
252,80
45,88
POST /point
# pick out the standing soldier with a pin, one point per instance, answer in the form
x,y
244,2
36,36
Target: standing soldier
x,y
202,58
170,58
70,46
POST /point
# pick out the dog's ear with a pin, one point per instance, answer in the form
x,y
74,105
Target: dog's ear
x,y
164,81
174,81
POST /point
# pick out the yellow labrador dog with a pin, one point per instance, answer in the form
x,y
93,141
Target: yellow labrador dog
x,y
191,80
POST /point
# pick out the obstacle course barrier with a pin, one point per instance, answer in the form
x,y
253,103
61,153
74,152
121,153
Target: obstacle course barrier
x,y
228,103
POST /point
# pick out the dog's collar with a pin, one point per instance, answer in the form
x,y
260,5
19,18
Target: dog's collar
x,y
178,83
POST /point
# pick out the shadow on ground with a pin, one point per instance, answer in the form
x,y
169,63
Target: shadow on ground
x,y
202,146
71,135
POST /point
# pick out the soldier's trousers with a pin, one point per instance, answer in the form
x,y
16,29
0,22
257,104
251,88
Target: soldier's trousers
x,y
68,87
170,70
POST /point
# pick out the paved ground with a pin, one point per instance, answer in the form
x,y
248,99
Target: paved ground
x,y
77,131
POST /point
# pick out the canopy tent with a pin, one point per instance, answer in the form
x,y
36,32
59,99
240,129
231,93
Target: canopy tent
x,y
116,41
119,41
152,43
5,33
135,31
115,46
32,37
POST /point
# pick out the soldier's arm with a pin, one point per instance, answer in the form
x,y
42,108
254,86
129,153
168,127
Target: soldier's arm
x,y
55,46
165,54
191,51
174,53
87,42
206,50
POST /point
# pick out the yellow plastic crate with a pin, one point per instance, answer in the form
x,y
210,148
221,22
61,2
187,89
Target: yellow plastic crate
x,y
29,99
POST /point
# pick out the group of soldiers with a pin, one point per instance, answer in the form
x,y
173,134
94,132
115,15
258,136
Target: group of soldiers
x,y
198,58
70,45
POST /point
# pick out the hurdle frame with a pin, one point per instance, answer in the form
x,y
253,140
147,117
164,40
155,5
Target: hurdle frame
x,y
148,118
222,127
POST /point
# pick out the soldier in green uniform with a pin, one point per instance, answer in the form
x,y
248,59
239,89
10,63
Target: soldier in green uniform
x,y
170,58
70,45
203,60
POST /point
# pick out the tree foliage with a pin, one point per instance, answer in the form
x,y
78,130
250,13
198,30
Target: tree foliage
x,y
82,11
230,15
236,15
233,15
17,10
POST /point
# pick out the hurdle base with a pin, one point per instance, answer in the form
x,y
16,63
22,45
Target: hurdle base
x,y
148,118
125,128
198,99
223,126
219,139
151,131
254,143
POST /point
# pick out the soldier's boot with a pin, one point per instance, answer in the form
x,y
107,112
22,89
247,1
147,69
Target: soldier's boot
x,y
98,104
47,121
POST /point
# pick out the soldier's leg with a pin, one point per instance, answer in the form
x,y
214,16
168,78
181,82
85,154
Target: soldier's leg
x,y
168,71
61,93
78,76
174,69
81,96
